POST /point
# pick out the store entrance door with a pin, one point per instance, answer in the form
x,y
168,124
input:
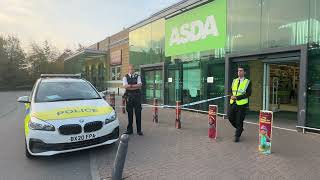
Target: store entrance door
x,y
174,84
280,91
279,83
153,86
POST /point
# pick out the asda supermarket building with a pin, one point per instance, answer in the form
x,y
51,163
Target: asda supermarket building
x,y
190,51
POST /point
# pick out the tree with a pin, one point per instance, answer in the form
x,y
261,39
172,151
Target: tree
x,y
37,60
46,59
50,51
12,62
80,48
3,60
18,68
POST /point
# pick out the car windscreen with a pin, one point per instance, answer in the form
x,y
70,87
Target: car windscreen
x,y
65,91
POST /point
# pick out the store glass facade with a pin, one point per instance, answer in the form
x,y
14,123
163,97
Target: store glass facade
x,y
147,48
189,74
147,44
252,26
313,92
92,67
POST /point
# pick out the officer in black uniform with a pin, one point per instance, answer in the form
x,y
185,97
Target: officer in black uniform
x,y
132,84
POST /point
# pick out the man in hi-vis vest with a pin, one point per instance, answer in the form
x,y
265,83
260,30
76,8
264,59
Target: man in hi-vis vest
x,y
239,101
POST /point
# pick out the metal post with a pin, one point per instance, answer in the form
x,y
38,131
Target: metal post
x,y
123,105
178,115
120,157
155,110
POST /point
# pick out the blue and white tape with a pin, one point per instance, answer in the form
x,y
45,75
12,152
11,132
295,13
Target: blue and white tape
x,y
186,105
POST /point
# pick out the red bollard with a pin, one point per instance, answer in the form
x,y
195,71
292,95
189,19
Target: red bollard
x,y
178,115
123,105
155,110
112,98
212,131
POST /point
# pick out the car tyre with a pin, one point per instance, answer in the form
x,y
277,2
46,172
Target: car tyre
x,y
28,155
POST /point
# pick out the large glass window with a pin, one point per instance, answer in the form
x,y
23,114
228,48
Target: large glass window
x,y
191,82
147,43
115,73
174,83
65,91
213,71
258,24
284,23
153,86
244,25
313,98
157,41
315,21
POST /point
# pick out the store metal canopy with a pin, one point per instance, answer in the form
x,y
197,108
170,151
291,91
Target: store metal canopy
x,y
87,54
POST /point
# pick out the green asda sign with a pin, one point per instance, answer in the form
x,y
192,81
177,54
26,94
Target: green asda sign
x,y
200,29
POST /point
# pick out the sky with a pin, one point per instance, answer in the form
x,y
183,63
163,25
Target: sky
x,y
65,23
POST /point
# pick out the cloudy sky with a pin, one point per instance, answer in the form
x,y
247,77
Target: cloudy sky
x,y
65,23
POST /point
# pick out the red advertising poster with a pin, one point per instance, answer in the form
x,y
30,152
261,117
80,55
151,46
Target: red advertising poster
x,y
212,131
265,131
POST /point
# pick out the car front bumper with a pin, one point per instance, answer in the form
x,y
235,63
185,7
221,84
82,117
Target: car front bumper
x,y
39,147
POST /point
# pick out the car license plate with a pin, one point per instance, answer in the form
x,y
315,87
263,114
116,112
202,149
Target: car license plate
x,y
82,137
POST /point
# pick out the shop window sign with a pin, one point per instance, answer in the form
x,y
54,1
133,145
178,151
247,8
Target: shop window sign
x,y
199,29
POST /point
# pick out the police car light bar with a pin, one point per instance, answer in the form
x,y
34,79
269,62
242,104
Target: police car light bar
x,y
60,75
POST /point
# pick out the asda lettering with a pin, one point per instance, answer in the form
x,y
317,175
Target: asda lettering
x,y
70,111
194,31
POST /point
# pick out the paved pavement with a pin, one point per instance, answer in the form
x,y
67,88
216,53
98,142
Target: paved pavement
x,y
163,152
167,153
13,163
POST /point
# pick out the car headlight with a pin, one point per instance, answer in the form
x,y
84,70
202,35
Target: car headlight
x,y
111,117
37,124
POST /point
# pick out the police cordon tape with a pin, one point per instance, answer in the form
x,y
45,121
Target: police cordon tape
x,y
181,106
265,121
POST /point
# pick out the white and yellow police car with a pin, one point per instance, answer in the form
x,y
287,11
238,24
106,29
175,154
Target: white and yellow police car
x,y
65,113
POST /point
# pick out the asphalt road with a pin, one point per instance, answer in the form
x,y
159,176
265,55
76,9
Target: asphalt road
x,y
14,164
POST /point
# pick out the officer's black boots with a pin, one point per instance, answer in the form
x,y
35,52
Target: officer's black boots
x,y
129,132
140,133
236,139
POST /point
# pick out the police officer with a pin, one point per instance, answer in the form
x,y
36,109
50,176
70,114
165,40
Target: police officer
x,y
132,84
241,91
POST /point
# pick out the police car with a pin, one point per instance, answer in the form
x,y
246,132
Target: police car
x,y
65,113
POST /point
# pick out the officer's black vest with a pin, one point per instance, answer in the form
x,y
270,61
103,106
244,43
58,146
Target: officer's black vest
x,y
131,81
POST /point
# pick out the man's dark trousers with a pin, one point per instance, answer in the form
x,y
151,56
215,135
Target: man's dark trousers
x,y
134,104
236,117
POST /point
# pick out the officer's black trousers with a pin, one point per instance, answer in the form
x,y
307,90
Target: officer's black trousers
x,y
236,117
134,104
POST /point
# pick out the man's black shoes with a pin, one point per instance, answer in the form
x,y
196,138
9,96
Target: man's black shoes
x,y
236,139
140,133
128,132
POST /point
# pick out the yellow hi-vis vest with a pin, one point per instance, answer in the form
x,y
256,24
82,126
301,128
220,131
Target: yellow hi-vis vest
x,y
241,91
